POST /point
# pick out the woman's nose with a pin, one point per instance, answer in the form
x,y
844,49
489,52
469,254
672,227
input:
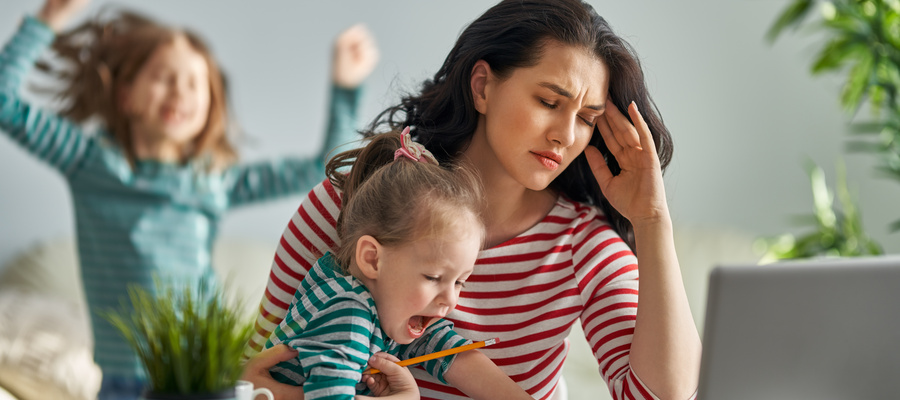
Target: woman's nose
x,y
562,133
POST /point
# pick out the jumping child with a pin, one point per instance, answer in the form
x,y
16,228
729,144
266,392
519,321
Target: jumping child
x,y
151,185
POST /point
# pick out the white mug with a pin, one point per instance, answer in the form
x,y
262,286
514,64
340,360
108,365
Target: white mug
x,y
243,390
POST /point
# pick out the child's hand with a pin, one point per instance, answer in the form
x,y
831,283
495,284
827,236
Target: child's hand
x,y
394,381
355,56
56,13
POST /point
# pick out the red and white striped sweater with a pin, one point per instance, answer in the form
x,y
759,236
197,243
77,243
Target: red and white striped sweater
x,y
527,291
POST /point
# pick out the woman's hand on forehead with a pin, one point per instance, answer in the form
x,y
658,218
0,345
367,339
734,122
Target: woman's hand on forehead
x,y
637,192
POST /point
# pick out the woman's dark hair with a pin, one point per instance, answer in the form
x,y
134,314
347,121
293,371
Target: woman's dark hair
x,y
511,35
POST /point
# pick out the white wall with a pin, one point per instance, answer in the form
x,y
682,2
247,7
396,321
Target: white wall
x,y
743,114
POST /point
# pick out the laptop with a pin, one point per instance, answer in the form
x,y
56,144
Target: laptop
x,y
817,329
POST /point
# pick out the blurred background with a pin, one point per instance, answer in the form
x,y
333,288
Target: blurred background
x,y
744,114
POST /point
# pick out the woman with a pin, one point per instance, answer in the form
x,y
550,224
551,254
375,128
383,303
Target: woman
x,y
530,97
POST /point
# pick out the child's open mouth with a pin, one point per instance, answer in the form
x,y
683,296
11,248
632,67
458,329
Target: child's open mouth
x,y
417,324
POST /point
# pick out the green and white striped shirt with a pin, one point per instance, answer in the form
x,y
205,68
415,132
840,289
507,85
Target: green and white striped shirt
x,y
156,219
333,323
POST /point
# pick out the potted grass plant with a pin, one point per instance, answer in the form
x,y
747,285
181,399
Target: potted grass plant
x,y
188,338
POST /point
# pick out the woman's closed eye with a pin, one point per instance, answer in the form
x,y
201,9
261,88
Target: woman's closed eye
x,y
588,120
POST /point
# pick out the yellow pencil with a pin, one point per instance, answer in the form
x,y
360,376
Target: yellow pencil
x,y
439,354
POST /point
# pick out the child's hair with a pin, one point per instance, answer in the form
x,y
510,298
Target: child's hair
x,y
104,55
398,201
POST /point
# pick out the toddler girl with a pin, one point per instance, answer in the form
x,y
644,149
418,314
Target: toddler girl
x,y
409,232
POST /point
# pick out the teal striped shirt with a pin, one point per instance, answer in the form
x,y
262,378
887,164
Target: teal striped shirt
x,y
156,219
333,324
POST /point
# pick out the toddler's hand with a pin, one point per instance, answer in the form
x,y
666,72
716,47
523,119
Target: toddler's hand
x,y
355,56
394,381
56,13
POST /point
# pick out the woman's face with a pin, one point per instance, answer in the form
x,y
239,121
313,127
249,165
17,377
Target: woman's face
x,y
538,119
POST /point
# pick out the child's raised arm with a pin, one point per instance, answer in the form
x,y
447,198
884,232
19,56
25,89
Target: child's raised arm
x,y
355,56
57,13
48,136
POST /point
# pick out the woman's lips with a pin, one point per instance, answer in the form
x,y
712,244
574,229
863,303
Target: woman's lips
x,y
548,159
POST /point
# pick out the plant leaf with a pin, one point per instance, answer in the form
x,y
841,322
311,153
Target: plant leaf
x,y
858,83
895,226
836,52
792,16
822,197
863,146
866,127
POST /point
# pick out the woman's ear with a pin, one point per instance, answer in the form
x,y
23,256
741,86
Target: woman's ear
x,y
368,252
481,72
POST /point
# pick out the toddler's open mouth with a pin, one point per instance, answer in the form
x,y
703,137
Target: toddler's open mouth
x,y
417,324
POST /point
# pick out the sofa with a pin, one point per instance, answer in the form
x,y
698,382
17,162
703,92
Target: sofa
x,y
45,341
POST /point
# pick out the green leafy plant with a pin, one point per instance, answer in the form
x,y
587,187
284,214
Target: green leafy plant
x,y
838,230
188,338
864,42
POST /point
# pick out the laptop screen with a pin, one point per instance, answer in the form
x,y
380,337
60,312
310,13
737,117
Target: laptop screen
x,y
816,329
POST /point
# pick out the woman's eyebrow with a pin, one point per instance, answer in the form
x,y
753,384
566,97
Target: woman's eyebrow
x,y
565,93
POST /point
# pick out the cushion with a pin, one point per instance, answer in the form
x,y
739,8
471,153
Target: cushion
x,y
6,395
244,265
45,348
48,268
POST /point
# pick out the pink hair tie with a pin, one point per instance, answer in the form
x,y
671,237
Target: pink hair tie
x,y
412,150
